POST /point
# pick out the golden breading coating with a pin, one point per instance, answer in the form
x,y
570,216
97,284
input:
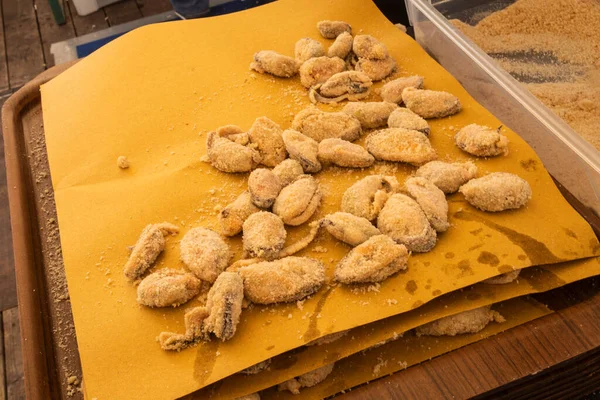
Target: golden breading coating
x,y
395,337
503,278
228,156
308,379
320,69
404,118
264,186
400,145
366,197
372,261
303,242
266,135
471,321
430,103
234,133
291,385
347,82
122,162
347,85
392,91
344,154
205,253
432,201
298,201
498,191
332,29
307,48
270,62
147,248
316,376
366,46
481,141
228,130
376,69
256,368
252,396
320,125
349,228
264,235
448,177
342,46
403,220
302,149
241,138
328,338
232,217
288,170
167,287
193,319
224,304
281,281
373,114
171,341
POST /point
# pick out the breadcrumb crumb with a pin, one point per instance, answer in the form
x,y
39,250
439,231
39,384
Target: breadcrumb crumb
x,y
122,162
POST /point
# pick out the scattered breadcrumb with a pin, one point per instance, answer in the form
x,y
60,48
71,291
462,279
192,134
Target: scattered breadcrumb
x,y
381,363
319,249
471,321
122,162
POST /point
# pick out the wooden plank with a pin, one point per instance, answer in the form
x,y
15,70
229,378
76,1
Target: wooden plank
x,y
572,379
121,12
8,289
552,357
23,45
50,31
15,386
153,7
87,24
2,369
3,63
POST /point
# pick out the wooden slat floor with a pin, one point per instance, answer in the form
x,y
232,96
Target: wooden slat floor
x,y
27,30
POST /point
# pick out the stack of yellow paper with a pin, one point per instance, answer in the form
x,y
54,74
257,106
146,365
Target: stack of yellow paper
x,y
295,363
152,95
406,351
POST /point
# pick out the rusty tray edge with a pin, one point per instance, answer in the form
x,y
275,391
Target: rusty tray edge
x,y
33,335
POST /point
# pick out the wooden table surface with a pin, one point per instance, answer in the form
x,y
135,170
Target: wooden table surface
x,y
561,362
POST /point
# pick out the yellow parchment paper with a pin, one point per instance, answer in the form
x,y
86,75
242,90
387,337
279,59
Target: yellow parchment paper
x,y
305,359
410,350
151,95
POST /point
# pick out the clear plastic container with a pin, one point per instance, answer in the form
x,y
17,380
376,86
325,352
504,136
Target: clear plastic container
x,y
572,161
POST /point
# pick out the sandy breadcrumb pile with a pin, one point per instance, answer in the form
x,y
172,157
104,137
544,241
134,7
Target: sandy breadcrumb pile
x,y
566,36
